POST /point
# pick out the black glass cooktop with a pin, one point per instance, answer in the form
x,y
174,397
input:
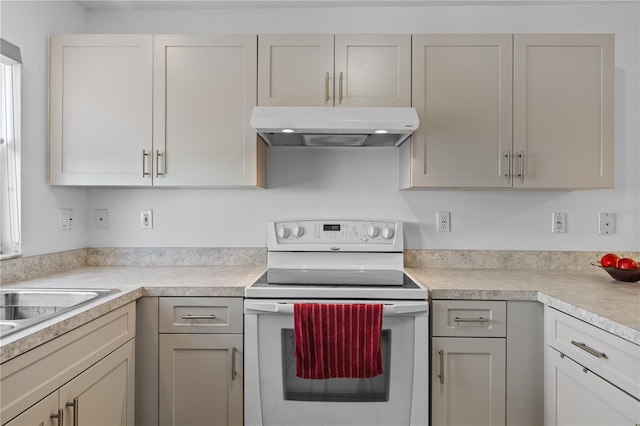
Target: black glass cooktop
x,y
329,283
335,277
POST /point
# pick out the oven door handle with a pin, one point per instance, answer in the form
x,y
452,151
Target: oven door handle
x,y
287,308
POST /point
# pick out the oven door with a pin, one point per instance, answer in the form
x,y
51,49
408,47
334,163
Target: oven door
x,y
275,396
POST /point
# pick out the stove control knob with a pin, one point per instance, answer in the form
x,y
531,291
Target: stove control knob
x,y
297,231
373,231
283,232
387,233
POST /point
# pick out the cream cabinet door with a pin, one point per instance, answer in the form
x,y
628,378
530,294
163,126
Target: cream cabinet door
x,y
100,122
372,70
340,70
563,111
40,414
468,381
577,396
295,69
204,93
462,93
201,379
105,393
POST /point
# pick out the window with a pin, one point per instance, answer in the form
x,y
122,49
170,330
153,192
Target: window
x,y
10,230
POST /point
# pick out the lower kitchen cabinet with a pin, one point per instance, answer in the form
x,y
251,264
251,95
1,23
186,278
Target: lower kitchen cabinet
x,y
39,414
200,379
190,361
105,393
77,378
102,395
577,396
468,381
486,363
468,370
592,376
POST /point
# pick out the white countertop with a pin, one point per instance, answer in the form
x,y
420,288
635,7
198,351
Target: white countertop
x,y
590,295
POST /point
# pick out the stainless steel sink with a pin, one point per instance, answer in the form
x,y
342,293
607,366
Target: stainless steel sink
x,y
22,308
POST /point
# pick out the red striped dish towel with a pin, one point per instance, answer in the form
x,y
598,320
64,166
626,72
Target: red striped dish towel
x,y
337,340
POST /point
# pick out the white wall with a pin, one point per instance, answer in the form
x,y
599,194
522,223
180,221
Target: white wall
x,y
363,182
28,24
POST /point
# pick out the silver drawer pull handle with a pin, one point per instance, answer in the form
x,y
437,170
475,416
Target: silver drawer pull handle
x,y
145,173
188,317
234,373
589,349
441,375
508,157
158,155
521,174
326,88
76,415
479,319
59,416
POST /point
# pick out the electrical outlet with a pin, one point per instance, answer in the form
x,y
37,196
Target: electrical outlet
x,y
606,223
65,219
146,219
102,219
559,224
444,221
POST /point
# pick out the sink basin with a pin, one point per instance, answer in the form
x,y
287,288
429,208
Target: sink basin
x,y
25,307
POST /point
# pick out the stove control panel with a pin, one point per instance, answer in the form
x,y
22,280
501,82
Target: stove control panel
x,y
336,232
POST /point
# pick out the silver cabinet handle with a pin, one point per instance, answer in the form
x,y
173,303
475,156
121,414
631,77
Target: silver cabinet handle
x,y
234,373
340,87
508,174
144,164
589,349
479,319
158,155
59,416
521,172
189,316
76,416
441,375
326,88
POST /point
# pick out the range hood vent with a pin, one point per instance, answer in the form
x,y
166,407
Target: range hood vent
x,y
334,126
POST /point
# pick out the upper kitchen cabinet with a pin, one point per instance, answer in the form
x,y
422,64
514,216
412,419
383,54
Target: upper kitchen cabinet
x,y
204,92
340,70
462,94
563,111
467,88
100,124
165,110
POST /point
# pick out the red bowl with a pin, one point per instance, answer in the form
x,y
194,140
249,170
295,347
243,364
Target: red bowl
x,y
626,275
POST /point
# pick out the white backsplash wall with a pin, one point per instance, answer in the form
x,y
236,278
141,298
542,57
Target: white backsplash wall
x,y
27,24
350,182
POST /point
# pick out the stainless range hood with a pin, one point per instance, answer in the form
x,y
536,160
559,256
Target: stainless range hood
x,y
334,126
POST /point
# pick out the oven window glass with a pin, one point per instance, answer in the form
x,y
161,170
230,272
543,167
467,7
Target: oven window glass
x,y
374,389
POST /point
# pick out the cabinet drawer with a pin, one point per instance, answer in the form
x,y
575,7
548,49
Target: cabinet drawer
x,y
469,318
611,357
200,315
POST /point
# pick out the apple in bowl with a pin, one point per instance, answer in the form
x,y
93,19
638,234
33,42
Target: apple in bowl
x,y
627,263
620,268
